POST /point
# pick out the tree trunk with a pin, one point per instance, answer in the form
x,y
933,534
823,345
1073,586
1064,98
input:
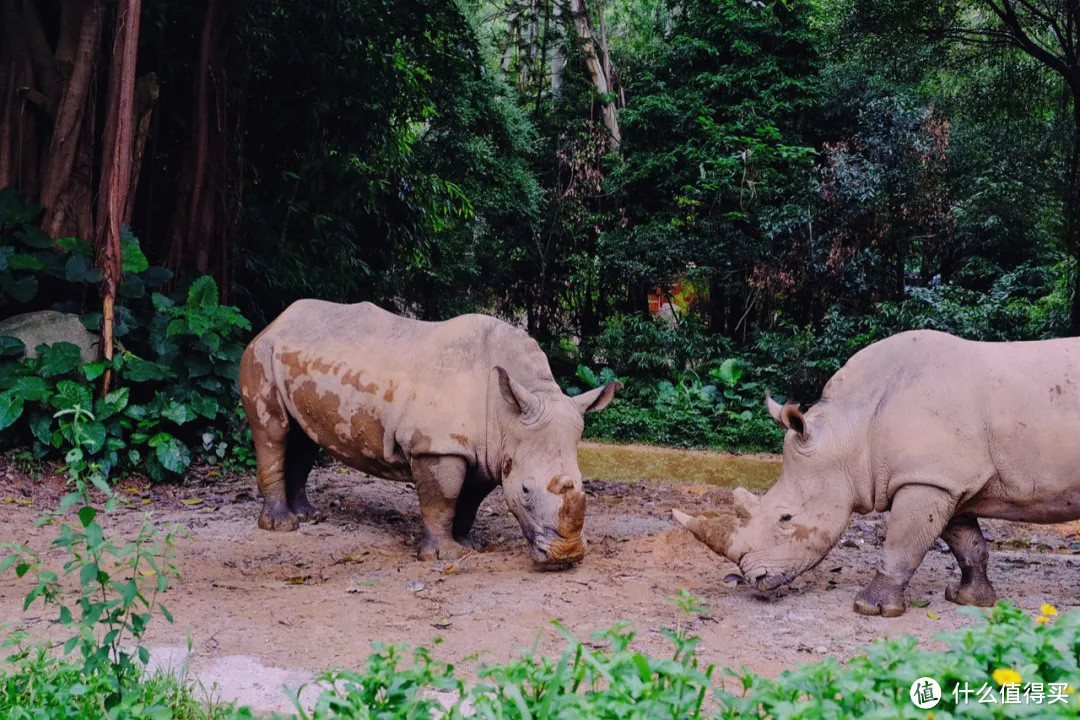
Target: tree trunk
x,y
1072,211
595,59
199,233
557,58
66,186
117,166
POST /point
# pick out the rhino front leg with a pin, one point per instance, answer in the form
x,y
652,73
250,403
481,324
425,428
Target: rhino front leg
x,y
919,515
439,480
964,537
472,494
300,451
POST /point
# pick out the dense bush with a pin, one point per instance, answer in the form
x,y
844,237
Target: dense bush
x,y
173,381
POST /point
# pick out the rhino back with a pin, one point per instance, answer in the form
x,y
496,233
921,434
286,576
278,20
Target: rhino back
x,y
995,423
376,388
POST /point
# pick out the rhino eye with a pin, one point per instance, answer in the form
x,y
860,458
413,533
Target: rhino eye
x,y
785,518
525,489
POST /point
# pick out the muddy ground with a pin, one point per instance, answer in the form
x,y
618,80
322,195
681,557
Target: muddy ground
x,y
264,609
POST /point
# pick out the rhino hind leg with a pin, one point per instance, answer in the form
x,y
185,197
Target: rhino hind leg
x,y
965,539
468,502
918,516
439,480
300,451
269,421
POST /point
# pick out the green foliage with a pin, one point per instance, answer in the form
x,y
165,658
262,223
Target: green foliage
x,y
175,398
118,583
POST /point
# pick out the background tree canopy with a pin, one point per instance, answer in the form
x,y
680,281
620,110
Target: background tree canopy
x,y
797,178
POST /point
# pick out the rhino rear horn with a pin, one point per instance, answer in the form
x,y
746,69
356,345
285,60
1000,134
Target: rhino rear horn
x,y
714,532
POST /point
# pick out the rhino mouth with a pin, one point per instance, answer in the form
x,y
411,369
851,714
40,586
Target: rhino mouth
x,y
767,582
558,553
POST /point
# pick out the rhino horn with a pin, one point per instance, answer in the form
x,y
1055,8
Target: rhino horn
x,y
714,532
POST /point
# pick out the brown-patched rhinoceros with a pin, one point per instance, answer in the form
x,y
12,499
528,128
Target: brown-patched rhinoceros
x,y
939,430
457,407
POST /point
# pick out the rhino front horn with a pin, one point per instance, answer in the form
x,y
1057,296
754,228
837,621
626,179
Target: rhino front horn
x,y
714,532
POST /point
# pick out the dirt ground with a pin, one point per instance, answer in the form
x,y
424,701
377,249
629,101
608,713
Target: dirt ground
x,y
264,609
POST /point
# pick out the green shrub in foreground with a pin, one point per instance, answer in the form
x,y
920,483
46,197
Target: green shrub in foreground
x,y
1004,645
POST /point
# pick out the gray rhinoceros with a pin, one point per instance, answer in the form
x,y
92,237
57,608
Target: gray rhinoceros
x,y
457,407
939,430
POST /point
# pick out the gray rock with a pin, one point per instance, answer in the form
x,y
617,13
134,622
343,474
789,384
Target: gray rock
x,y
48,327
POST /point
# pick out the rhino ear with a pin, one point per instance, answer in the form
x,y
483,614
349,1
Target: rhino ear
x,y
787,415
597,399
514,393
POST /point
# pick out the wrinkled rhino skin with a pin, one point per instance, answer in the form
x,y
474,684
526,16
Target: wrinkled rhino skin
x,y
940,431
458,407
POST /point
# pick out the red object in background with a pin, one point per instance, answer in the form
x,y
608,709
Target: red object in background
x,y
657,298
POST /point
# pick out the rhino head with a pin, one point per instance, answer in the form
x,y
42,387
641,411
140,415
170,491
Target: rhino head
x,y
537,462
794,525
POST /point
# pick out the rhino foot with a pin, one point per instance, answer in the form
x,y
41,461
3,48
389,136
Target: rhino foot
x,y
881,597
279,520
432,548
304,511
468,543
979,594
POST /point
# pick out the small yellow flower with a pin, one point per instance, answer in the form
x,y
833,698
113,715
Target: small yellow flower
x,y
1007,676
1042,619
929,716
1048,609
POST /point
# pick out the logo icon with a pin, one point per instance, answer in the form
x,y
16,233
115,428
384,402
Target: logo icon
x,y
925,693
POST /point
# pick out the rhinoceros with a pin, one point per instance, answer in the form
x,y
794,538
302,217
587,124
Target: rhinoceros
x,y
940,431
456,407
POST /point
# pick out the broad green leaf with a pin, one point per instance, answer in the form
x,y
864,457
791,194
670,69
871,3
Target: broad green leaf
x,y
70,394
32,388
11,408
11,346
173,455
203,293
132,258
63,357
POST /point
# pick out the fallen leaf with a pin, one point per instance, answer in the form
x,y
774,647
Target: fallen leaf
x,y
214,473
443,624
9,499
343,470
24,501
448,569
932,615
132,491
416,585
298,580
191,501
146,501
919,603
148,573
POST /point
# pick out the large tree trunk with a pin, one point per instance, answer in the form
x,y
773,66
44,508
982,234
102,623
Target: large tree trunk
x,y
1072,211
597,60
199,234
117,165
66,187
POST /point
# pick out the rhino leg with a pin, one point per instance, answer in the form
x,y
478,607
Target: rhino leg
x,y
439,480
472,494
269,421
965,539
918,516
300,451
